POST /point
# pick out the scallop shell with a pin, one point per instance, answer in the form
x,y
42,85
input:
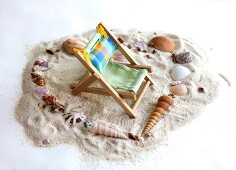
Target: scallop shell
x,y
162,43
42,90
182,58
71,43
179,73
179,90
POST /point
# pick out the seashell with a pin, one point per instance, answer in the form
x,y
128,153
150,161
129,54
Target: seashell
x,y
163,103
162,43
41,63
49,99
42,90
39,81
179,90
182,58
179,72
71,43
74,117
106,131
35,75
37,68
166,99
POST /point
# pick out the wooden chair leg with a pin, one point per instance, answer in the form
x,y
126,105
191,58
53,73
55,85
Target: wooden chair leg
x,y
141,95
117,98
84,84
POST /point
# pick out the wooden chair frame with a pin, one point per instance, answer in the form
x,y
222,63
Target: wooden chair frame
x,y
107,89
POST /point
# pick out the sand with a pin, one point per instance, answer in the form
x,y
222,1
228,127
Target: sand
x,y
47,129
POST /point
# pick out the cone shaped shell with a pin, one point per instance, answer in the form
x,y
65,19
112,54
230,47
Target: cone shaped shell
x,y
163,105
159,110
167,99
162,43
107,131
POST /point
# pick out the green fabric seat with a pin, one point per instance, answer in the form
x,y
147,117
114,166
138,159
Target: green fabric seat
x,y
124,78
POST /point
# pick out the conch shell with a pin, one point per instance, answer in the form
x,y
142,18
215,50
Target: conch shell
x,y
163,103
162,43
100,129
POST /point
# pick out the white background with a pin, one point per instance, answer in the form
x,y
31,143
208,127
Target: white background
x,y
207,143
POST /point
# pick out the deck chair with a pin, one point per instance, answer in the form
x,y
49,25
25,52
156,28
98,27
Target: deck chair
x,y
111,76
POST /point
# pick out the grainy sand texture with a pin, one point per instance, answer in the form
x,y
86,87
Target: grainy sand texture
x,y
46,129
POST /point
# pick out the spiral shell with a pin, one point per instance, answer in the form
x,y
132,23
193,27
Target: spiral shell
x,y
182,58
163,103
162,43
107,131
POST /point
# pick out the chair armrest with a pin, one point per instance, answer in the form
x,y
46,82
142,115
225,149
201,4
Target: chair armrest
x,y
148,68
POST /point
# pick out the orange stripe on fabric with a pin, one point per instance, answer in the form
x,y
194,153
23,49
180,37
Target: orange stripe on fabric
x,y
99,47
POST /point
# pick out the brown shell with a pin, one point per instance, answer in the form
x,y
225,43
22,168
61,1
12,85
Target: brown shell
x,y
162,43
50,100
39,81
163,105
182,58
167,99
71,43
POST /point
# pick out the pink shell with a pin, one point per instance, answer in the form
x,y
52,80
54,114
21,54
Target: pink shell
x,y
42,90
41,63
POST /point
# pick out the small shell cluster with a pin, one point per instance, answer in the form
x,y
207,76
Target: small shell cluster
x,y
182,58
71,43
162,105
39,66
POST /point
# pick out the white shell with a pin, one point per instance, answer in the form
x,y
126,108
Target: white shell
x,y
179,90
74,117
179,73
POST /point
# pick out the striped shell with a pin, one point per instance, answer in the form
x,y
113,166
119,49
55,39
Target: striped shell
x,y
182,58
162,43
106,131
73,118
163,103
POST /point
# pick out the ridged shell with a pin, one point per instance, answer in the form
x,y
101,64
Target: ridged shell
x,y
166,99
179,73
71,43
163,103
107,131
162,43
182,58
179,90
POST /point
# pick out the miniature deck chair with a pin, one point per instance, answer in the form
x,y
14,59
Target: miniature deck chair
x,y
117,80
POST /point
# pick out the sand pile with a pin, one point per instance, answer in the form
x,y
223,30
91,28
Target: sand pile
x,y
46,129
